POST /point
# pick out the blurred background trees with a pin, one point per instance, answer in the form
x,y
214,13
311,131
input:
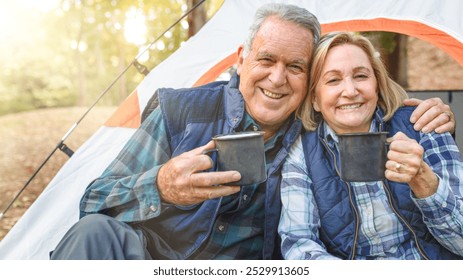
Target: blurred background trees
x,y
66,52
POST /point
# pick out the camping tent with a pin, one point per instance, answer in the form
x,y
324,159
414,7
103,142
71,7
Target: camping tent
x,y
199,60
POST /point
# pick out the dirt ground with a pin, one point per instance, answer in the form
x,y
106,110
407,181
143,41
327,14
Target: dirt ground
x,y
28,138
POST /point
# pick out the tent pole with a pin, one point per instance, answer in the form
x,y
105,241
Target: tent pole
x,y
61,146
29,181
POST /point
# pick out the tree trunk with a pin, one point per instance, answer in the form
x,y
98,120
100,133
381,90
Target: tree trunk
x,y
80,69
397,60
123,93
197,18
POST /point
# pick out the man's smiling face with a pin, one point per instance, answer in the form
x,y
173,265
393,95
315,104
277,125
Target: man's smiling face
x,y
274,75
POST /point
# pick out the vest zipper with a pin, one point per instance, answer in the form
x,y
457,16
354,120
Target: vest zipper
x,y
193,252
386,188
388,193
357,223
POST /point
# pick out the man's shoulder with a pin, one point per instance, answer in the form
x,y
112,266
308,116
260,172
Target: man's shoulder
x,y
210,87
190,97
197,104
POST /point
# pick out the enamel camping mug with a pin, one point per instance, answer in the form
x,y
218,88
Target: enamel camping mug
x,y
363,156
243,152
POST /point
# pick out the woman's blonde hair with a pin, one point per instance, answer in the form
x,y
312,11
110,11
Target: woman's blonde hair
x,y
391,94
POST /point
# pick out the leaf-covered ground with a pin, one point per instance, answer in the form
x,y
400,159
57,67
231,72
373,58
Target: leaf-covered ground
x,y
26,140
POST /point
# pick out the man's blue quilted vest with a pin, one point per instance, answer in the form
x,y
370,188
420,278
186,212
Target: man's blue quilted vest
x,y
193,117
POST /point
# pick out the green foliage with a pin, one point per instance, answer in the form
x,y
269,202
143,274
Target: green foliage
x,y
385,41
69,55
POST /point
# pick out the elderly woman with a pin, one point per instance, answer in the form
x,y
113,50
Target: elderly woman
x,y
415,213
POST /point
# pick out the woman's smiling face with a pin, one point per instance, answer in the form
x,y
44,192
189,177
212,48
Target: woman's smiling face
x,y
346,94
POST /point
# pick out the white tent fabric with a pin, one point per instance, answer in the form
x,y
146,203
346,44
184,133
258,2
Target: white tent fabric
x,y
39,230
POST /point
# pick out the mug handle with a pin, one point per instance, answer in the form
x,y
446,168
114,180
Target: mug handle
x,y
209,151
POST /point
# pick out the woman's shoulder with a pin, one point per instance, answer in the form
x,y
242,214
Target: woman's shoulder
x,y
401,122
405,111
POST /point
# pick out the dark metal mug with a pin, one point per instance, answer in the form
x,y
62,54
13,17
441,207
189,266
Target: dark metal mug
x,y
363,156
243,152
